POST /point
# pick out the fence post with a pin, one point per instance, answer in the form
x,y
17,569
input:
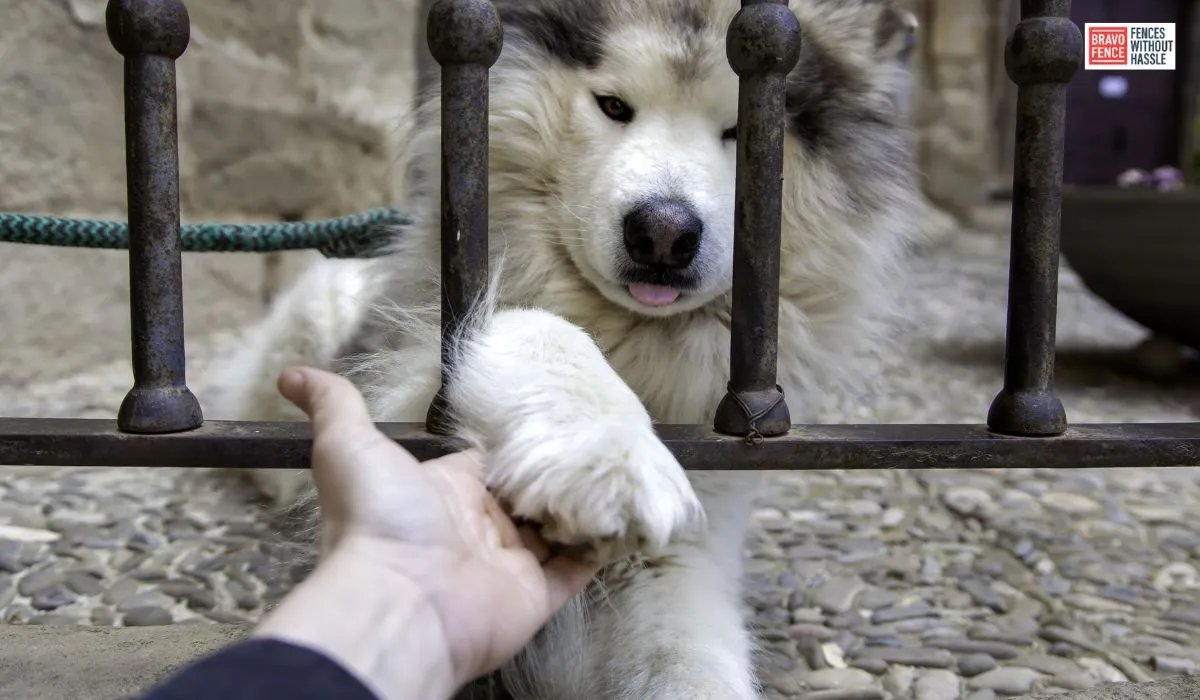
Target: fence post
x,y
763,45
1041,57
465,38
151,35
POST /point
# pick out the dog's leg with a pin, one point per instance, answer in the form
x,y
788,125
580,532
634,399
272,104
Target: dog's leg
x,y
669,627
310,324
568,445
673,628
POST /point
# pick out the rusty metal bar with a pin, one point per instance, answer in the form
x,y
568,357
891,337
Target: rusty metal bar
x,y
763,44
69,442
151,35
465,38
1042,55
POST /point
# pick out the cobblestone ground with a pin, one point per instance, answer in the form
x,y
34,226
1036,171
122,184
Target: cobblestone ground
x,y
931,585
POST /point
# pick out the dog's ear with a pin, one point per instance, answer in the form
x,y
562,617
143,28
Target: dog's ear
x,y
895,31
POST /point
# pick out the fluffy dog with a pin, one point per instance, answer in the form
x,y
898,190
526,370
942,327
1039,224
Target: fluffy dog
x,y
613,127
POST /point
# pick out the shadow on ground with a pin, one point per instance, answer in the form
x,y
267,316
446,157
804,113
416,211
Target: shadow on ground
x,y
1082,368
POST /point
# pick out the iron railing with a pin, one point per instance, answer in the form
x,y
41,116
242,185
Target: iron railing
x,y
160,422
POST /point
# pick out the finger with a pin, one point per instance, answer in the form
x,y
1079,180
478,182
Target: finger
x,y
467,462
565,578
534,543
291,384
330,401
459,475
509,536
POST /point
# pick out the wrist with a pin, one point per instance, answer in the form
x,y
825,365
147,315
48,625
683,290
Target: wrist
x,y
379,624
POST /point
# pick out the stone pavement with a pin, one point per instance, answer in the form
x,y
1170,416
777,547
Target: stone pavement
x,y
99,663
922,585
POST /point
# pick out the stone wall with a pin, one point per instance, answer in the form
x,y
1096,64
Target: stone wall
x,y
962,105
290,108
285,108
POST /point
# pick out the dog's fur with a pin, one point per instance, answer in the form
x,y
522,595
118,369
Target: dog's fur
x,y
561,371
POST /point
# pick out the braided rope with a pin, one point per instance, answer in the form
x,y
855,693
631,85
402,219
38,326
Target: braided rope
x,y
360,235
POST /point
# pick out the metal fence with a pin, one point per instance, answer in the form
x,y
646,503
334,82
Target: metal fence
x,y
160,421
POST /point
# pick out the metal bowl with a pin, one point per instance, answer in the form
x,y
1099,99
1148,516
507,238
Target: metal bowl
x,y
1139,251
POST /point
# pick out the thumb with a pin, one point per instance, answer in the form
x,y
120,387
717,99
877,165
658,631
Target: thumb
x,y
330,401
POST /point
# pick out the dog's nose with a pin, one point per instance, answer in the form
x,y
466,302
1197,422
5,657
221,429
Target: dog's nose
x,y
663,233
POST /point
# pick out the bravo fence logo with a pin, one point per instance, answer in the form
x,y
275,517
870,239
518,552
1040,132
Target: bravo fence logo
x,y
1130,46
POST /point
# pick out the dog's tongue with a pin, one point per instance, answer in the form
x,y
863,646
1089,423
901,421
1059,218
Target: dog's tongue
x,y
653,294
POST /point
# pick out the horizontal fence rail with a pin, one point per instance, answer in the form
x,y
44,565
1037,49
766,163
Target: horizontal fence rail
x,y
244,444
160,424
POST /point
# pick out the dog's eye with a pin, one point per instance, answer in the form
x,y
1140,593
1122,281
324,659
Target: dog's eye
x,y
729,134
615,108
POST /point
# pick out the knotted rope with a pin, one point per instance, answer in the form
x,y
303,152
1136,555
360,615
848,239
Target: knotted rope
x,y
360,235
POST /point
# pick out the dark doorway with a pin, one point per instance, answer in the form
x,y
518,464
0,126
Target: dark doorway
x,y
1140,128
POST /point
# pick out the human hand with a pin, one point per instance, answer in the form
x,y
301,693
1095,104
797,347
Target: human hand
x,y
431,527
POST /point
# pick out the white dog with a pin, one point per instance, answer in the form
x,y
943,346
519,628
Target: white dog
x,y
612,161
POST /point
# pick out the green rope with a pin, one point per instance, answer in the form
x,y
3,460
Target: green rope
x,y
361,235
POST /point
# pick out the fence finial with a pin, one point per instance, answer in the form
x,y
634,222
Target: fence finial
x,y
148,27
464,32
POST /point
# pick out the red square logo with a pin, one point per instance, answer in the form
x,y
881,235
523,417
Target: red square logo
x,y
1108,46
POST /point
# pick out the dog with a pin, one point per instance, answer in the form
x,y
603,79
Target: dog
x,y
613,129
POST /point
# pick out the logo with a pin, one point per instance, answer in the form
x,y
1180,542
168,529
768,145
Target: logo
x,y
1129,46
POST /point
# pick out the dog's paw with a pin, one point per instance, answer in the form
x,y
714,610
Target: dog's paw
x,y
599,494
569,445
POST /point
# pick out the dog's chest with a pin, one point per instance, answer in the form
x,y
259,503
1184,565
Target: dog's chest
x,y
678,373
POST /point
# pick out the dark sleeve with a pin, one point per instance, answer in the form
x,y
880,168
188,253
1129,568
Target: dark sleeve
x,y
262,668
